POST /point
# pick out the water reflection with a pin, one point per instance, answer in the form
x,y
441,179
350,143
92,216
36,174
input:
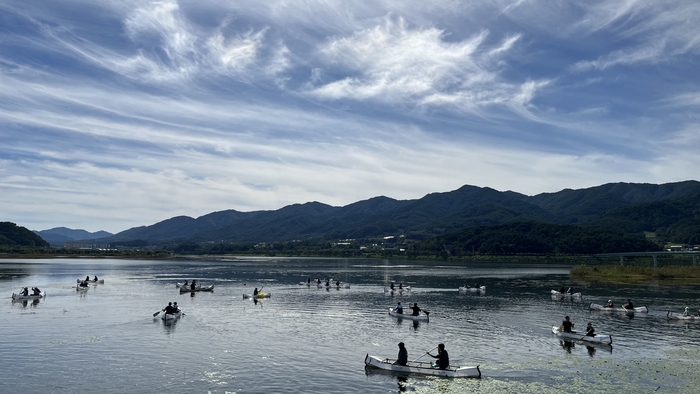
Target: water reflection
x,y
25,303
567,345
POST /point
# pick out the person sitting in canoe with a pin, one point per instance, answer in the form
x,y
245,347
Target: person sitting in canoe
x,y
401,286
628,305
478,286
443,361
571,290
566,325
95,280
255,292
328,282
84,284
25,291
611,304
399,308
562,290
186,283
590,331
337,283
416,309
168,309
403,355
686,312
87,278
176,308
38,292
193,286
391,286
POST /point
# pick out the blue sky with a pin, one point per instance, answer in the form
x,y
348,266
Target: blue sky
x,y
115,114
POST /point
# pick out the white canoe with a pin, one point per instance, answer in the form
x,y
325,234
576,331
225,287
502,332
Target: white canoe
x,y
396,288
602,339
198,288
473,289
680,316
171,316
407,314
92,281
29,296
619,309
422,368
556,293
82,288
259,295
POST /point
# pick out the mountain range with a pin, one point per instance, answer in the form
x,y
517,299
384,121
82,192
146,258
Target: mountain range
x,y
628,207
60,235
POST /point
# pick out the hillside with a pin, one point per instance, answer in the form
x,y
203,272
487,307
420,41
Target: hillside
x,y
59,235
627,207
14,235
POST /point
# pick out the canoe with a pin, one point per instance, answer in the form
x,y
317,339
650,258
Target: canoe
x,y
340,286
619,309
407,315
396,288
680,316
81,288
422,368
601,339
171,316
200,288
556,293
29,296
259,295
474,289
92,281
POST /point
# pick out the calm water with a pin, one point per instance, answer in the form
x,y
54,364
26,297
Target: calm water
x,y
314,340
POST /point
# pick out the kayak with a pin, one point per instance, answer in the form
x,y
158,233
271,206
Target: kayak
x,y
199,288
407,315
405,288
556,293
171,316
474,289
601,339
29,296
422,368
93,281
596,307
259,295
680,316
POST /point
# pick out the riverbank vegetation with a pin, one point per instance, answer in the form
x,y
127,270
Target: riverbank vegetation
x,y
613,273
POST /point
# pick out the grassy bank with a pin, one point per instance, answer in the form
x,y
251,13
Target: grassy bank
x,y
615,273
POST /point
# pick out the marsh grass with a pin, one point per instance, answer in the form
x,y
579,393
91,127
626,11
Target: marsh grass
x,y
635,273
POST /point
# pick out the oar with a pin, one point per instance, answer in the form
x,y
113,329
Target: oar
x,y
156,314
424,354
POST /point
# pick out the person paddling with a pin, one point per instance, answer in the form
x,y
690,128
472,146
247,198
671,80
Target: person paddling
x,y
25,291
193,286
628,305
416,309
442,356
255,292
168,309
399,308
38,292
566,325
403,355
611,304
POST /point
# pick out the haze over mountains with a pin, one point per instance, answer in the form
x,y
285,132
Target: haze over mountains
x,y
627,207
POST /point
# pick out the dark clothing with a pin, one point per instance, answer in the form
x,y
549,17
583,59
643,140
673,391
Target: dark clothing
x,y
37,292
628,305
168,310
24,292
567,325
193,286
590,332
443,360
403,357
416,310
399,309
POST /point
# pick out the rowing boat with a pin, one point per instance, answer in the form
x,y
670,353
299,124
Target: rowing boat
x,y
474,289
619,309
426,317
28,296
171,316
680,316
405,288
199,288
259,295
422,368
93,281
601,339
559,294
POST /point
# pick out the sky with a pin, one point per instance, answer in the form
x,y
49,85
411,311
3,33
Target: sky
x,y
117,114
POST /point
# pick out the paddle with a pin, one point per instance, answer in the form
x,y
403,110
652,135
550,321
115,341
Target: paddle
x,y
424,354
156,314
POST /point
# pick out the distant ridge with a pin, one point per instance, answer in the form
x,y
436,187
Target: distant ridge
x,y
59,235
432,215
14,235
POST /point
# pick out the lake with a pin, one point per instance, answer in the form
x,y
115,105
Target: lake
x,y
306,339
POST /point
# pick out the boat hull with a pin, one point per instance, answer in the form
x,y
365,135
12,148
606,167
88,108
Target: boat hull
x,y
170,316
259,295
600,339
556,293
405,315
473,289
29,296
679,316
93,282
597,307
189,290
422,368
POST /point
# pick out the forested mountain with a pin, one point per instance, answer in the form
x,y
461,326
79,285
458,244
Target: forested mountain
x,y
14,235
626,207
